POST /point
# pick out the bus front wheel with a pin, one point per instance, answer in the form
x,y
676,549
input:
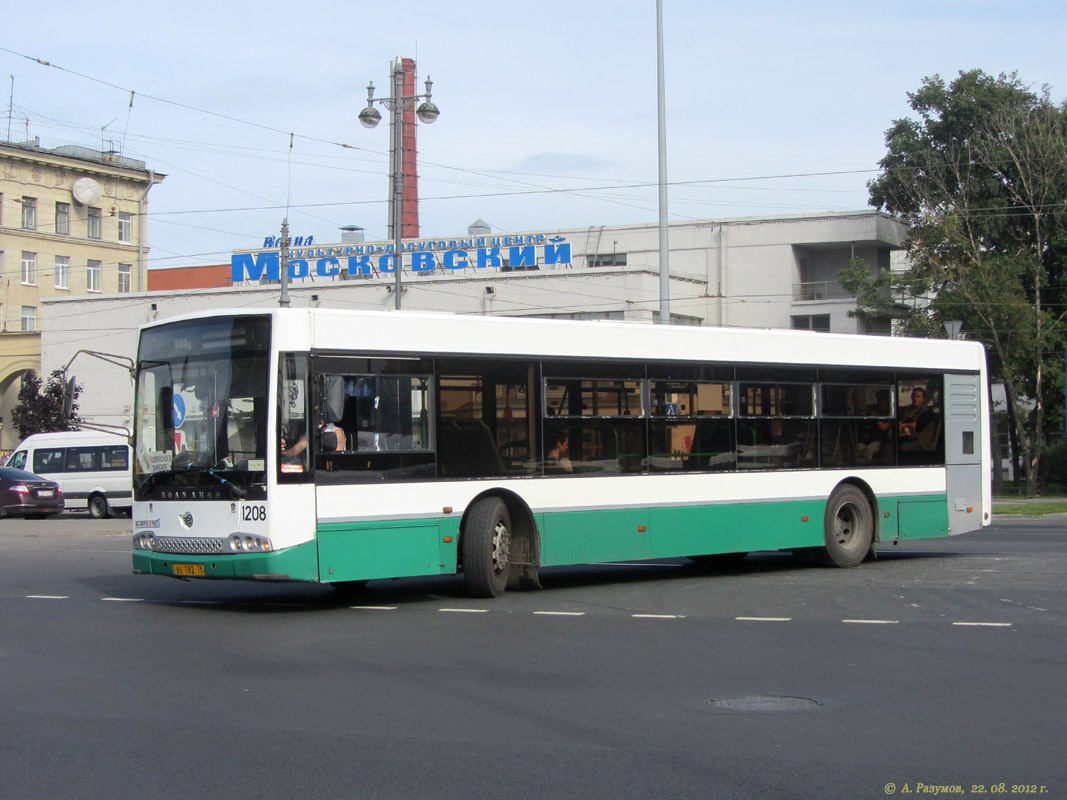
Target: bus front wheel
x,y
98,507
486,548
848,526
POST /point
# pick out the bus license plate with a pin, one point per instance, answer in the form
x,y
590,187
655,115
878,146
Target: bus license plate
x,y
189,569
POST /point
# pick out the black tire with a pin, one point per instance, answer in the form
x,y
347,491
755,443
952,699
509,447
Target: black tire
x,y
98,507
848,527
486,548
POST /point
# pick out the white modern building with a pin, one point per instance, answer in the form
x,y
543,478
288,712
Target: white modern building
x,y
766,272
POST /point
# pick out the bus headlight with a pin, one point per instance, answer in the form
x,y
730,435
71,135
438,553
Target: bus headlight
x,y
249,544
144,541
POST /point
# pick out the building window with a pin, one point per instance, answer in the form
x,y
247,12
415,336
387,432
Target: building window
x,y
29,318
506,266
607,260
125,277
63,218
62,272
29,213
878,326
811,322
29,268
93,231
125,227
92,276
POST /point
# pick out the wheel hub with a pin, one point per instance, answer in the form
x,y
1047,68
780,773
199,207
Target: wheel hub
x,y
844,526
501,547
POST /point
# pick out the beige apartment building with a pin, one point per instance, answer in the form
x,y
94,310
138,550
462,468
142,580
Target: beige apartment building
x,y
71,224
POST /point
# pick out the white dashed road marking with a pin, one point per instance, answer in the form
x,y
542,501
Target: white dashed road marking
x,y
983,624
961,624
373,608
872,621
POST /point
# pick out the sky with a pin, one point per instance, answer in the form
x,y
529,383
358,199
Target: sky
x,y
548,110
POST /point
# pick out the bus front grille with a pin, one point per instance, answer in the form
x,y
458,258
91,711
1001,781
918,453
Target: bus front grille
x,y
175,544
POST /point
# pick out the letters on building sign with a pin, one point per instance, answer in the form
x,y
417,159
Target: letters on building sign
x,y
296,241
365,259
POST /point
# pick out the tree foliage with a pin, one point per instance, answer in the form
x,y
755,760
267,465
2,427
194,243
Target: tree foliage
x,y
40,407
981,176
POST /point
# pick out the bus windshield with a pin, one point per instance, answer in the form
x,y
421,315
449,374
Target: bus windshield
x,y
201,405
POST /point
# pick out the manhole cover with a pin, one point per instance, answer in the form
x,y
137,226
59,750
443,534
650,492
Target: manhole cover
x,y
764,703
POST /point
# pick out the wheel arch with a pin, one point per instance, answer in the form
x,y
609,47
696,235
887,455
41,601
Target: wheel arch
x,y
525,537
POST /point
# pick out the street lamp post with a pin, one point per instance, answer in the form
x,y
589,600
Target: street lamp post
x,y
369,117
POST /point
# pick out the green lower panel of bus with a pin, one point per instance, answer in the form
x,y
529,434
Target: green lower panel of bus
x,y
299,563
354,551
577,537
921,518
383,549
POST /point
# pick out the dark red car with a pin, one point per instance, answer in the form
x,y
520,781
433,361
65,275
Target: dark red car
x,y
23,494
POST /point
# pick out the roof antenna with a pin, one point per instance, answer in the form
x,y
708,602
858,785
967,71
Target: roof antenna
x,y
10,107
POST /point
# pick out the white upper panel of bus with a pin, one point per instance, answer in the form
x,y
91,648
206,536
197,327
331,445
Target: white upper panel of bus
x,y
441,334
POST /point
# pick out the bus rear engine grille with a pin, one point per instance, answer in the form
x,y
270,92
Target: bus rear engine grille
x,y
175,544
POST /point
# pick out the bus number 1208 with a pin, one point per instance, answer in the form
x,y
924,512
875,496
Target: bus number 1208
x,y
254,513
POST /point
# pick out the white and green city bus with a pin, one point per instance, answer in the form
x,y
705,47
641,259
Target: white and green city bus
x,y
339,447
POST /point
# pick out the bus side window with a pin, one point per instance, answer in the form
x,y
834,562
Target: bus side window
x,y
919,439
45,461
83,459
18,461
115,458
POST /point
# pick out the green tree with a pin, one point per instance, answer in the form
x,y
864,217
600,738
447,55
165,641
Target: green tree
x,y
981,177
40,407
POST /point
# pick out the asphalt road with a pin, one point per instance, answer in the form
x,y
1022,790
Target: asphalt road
x,y
940,664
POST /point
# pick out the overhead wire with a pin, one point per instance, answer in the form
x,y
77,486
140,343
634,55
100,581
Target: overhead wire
x,y
531,188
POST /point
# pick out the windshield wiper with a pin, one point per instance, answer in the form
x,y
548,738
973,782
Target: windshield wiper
x,y
235,490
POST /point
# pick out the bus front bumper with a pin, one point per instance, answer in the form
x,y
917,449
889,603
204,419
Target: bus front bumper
x,y
299,563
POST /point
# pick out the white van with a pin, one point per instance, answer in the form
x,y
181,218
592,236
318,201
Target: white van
x,y
92,468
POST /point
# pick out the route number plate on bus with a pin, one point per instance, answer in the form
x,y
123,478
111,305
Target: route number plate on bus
x,y
195,570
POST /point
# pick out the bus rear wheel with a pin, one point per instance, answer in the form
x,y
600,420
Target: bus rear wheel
x,y
487,548
98,507
848,528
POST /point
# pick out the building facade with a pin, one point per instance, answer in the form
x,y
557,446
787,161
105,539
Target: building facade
x,y
71,224
770,272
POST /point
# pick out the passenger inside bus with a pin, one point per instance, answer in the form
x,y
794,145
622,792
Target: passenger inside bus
x,y
556,459
919,429
331,437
